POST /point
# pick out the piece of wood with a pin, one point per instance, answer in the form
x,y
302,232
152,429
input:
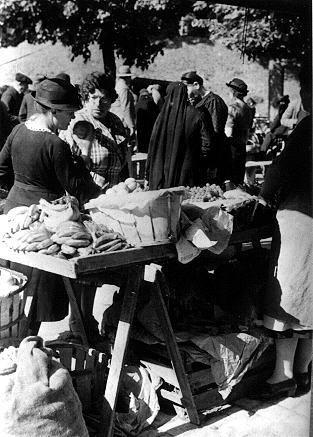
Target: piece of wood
x,y
165,372
200,378
40,261
65,354
80,359
158,287
126,257
135,277
75,309
95,264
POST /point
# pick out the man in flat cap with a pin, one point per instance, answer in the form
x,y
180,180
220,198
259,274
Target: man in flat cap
x,y
239,122
215,110
13,96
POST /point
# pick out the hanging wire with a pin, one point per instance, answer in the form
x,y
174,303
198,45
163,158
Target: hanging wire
x,y
244,35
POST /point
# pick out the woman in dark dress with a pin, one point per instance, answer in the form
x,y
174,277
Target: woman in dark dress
x,y
37,164
288,307
180,149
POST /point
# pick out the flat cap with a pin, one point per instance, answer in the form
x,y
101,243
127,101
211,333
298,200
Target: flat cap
x,y
191,76
22,78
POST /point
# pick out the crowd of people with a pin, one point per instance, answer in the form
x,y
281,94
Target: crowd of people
x,y
185,128
59,137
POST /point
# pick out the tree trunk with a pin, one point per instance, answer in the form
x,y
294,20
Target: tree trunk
x,y
106,44
275,85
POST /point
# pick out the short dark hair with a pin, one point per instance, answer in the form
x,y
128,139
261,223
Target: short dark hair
x,y
100,81
191,76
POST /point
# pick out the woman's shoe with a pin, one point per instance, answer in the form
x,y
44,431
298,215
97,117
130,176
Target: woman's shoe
x,y
272,391
303,381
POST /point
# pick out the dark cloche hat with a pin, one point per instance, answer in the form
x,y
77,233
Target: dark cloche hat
x,y
64,76
22,78
238,85
191,77
58,94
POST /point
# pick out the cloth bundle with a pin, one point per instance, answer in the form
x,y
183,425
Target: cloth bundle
x,y
138,393
37,398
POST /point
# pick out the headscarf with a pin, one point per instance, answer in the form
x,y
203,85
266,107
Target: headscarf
x,y
167,144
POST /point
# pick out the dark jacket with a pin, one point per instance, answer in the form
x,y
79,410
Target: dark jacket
x,y
12,100
214,108
146,114
28,107
290,175
5,125
40,164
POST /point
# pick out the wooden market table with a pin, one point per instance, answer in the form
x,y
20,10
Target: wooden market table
x,y
143,263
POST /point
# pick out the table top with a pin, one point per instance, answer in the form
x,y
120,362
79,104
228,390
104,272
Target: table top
x,y
93,264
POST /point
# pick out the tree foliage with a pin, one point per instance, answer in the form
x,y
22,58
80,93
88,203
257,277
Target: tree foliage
x,y
139,27
260,35
137,30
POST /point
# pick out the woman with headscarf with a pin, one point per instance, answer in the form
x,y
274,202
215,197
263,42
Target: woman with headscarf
x,y
146,114
180,151
37,164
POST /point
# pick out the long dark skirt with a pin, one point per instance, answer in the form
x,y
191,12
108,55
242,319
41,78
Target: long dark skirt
x,y
51,301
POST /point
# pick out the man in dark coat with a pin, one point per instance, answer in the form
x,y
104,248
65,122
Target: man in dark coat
x,y
28,105
5,126
238,125
146,114
215,109
13,96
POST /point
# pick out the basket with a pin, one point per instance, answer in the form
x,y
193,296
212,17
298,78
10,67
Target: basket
x,y
12,309
88,369
144,219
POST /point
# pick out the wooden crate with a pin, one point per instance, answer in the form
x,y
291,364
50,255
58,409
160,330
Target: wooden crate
x,y
88,369
204,390
12,311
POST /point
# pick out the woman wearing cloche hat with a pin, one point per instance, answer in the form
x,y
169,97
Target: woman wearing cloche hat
x,y
239,122
35,163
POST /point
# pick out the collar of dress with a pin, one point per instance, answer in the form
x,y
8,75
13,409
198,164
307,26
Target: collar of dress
x,y
31,125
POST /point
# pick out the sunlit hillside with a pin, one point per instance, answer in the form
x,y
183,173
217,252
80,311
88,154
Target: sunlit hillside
x,y
215,63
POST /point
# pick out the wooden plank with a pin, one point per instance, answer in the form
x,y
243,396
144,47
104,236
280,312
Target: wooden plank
x,y
249,235
6,310
65,354
165,372
40,261
99,262
16,311
208,399
90,264
135,278
188,402
75,309
80,359
200,378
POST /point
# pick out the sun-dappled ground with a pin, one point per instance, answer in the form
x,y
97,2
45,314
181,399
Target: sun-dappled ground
x,y
215,63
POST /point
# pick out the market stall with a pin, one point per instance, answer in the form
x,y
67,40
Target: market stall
x,y
142,262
